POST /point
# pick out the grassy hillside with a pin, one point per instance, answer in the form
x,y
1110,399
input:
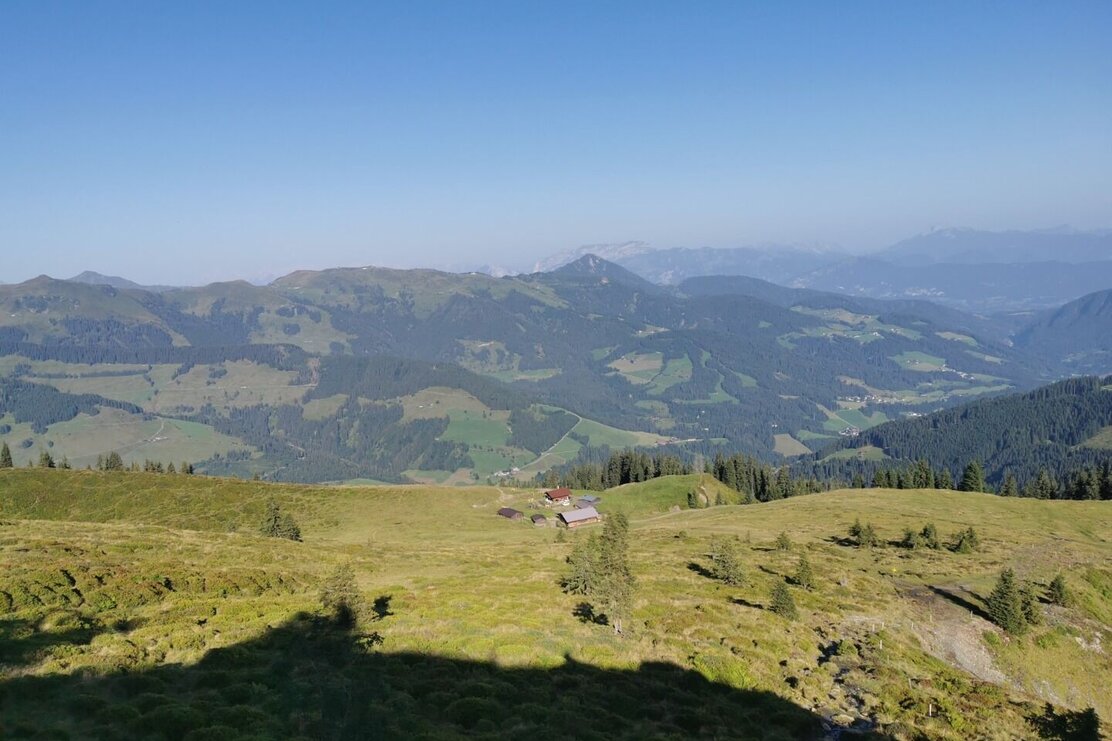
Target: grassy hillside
x,y
144,605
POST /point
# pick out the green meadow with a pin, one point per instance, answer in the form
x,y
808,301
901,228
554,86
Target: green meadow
x,y
149,606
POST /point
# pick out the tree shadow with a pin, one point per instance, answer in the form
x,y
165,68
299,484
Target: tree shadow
x,y
24,642
585,611
381,606
960,601
313,678
701,570
1067,725
746,603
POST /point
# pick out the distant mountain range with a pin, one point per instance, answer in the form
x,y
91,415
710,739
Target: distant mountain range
x,y
977,271
97,279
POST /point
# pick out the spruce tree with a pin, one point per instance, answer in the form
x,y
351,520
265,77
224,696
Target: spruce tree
x,y
781,601
804,576
973,478
1059,593
6,456
930,537
46,460
783,542
726,561
1011,487
911,539
614,590
966,541
341,598
1005,604
1029,600
945,479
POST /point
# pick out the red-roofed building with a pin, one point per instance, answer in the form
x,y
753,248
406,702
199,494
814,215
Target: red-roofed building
x,y
558,496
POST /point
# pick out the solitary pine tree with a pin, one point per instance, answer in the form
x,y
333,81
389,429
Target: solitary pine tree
x,y
781,601
804,576
1005,604
6,456
726,561
783,542
614,590
341,598
929,536
973,478
1059,593
967,541
583,563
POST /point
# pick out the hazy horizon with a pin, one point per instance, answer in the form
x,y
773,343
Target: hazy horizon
x,y
188,144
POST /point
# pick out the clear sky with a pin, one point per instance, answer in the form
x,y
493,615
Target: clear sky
x,y
183,142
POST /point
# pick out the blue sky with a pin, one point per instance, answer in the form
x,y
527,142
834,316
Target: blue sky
x,y
189,142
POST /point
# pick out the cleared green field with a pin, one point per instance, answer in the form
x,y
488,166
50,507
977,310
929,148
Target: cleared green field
x,y
85,437
866,453
135,605
789,446
1100,441
919,361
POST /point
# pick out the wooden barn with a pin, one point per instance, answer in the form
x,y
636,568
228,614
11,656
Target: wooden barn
x,y
539,520
510,513
577,517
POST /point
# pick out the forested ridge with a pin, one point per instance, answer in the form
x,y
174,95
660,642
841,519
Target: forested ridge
x,y
1020,434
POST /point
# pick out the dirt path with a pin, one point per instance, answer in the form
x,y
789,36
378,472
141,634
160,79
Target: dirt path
x,y
951,631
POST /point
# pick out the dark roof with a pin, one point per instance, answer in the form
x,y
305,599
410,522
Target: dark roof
x,y
539,518
579,515
558,493
510,512
589,498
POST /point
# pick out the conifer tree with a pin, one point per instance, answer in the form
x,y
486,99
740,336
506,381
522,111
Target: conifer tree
x,y
783,542
6,456
929,536
973,478
781,601
1059,593
1029,600
341,598
726,561
46,460
945,479
911,539
804,576
1011,487
967,541
1005,604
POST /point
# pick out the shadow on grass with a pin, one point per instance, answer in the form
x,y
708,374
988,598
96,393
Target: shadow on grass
x,y
960,601
701,570
746,603
1067,725
310,678
24,642
585,611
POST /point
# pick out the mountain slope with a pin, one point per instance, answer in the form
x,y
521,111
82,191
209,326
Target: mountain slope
x,y
125,602
1079,334
1019,434
970,246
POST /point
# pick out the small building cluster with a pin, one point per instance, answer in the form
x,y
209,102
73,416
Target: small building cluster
x,y
580,511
